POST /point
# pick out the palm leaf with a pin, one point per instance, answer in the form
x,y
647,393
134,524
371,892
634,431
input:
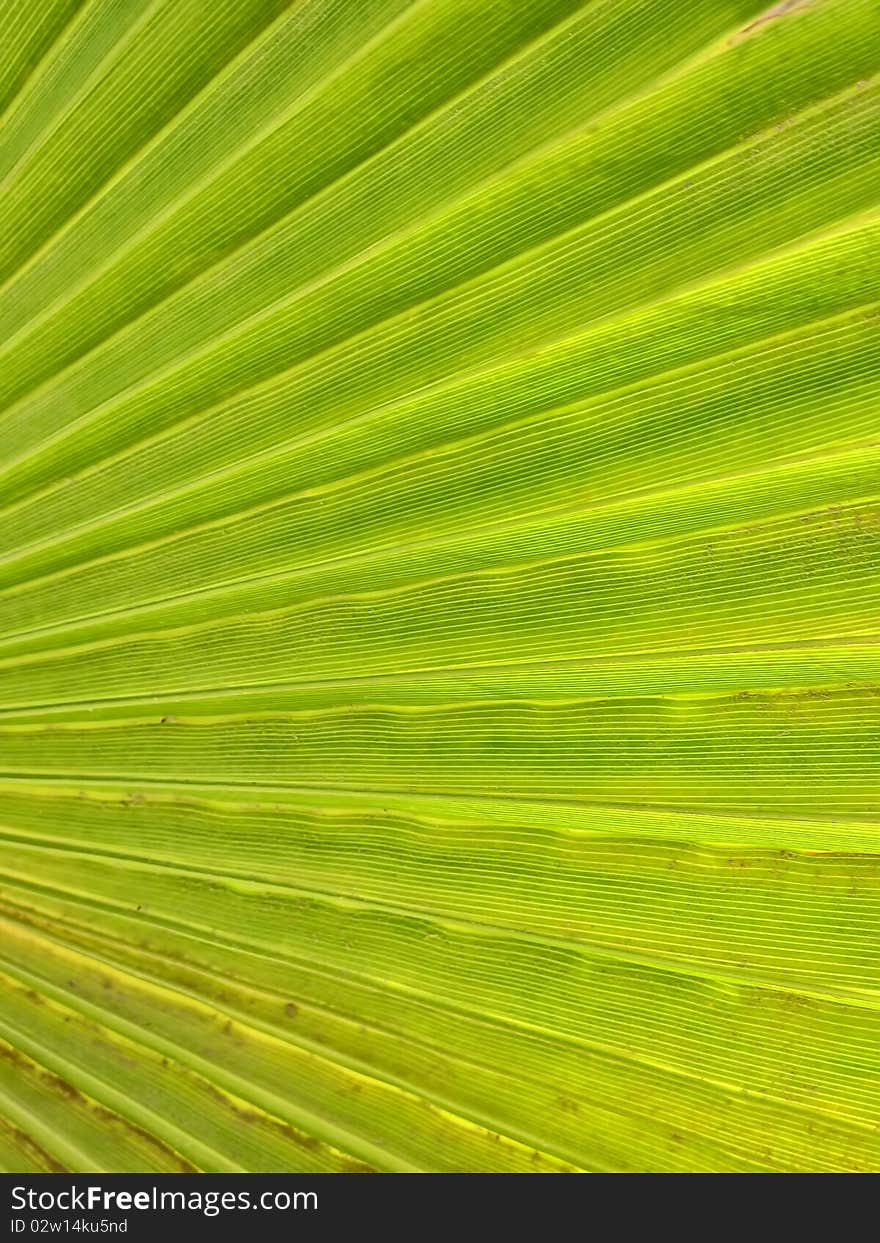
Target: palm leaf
x,y
438,585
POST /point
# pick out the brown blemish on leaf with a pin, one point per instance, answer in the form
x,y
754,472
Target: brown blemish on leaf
x,y
265,1121
771,15
30,1146
89,1106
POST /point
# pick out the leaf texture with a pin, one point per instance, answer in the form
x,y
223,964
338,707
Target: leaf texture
x,y
439,579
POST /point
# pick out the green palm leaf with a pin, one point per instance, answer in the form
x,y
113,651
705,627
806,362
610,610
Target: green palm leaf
x,y
438,585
